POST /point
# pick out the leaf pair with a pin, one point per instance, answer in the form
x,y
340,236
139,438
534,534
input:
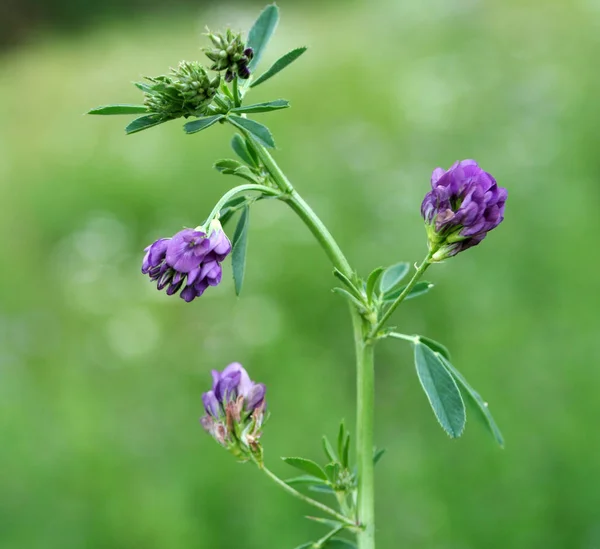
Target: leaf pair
x,y
440,381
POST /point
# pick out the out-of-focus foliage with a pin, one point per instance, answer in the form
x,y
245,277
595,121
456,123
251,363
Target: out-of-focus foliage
x,y
101,375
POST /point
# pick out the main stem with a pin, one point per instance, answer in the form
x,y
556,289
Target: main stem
x,y
365,374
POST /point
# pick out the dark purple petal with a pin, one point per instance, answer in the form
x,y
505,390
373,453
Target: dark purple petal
x,y
155,254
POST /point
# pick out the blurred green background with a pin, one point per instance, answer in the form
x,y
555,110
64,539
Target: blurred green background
x,y
101,375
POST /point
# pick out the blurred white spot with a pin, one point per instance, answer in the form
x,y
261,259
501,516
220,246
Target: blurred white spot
x,y
257,320
133,333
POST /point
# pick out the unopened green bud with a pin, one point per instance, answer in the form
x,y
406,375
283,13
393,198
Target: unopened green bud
x,y
231,55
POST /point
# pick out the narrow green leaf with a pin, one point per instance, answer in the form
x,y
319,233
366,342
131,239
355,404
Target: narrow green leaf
x,y
475,399
349,296
238,251
258,131
327,522
341,438
232,206
346,454
269,106
418,289
239,146
392,276
372,281
227,164
143,123
328,449
378,455
348,283
435,346
119,109
146,88
321,489
339,543
202,123
306,465
305,479
261,33
441,390
279,65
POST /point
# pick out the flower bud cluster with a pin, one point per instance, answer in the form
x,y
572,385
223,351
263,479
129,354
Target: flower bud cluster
x,y
229,54
187,91
235,411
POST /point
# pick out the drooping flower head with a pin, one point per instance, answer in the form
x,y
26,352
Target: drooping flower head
x,y
190,261
235,411
464,204
229,54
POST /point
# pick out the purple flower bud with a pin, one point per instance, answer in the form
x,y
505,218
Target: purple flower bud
x,y
235,409
464,204
190,260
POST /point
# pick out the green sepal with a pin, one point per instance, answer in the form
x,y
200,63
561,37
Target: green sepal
x,y
306,465
479,404
239,246
441,390
119,109
143,123
279,65
260,132
392,276
418,289
261,33
269,106
202,123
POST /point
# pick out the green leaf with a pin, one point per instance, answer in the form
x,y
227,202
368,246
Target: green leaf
x,y
309,545
227,164
238,251
372,281
341,438
230,207
339,543
333,471
143,123
119,109
240,147
441,390
349,296
475,399
348,283
327,522
418,289
279,65
392,276
435,346
328,449
276,105
258,131
233,167
261,33
202,123
306,465
346,454
305,479
378,455
146,88
322,489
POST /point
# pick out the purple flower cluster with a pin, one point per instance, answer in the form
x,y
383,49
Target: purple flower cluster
x,y
235,410
191,260
464,204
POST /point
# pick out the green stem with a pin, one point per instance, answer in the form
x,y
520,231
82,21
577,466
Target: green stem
x,y
238,190
365,406
318,544
237,99
418,274
306,499
364,350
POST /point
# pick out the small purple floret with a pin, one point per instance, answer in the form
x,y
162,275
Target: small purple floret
x,y
191,260
465,203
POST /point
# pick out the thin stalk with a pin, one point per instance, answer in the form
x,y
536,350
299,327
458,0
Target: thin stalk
x,y
237,190
306,499
327,537
418,274
237,98
365,406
